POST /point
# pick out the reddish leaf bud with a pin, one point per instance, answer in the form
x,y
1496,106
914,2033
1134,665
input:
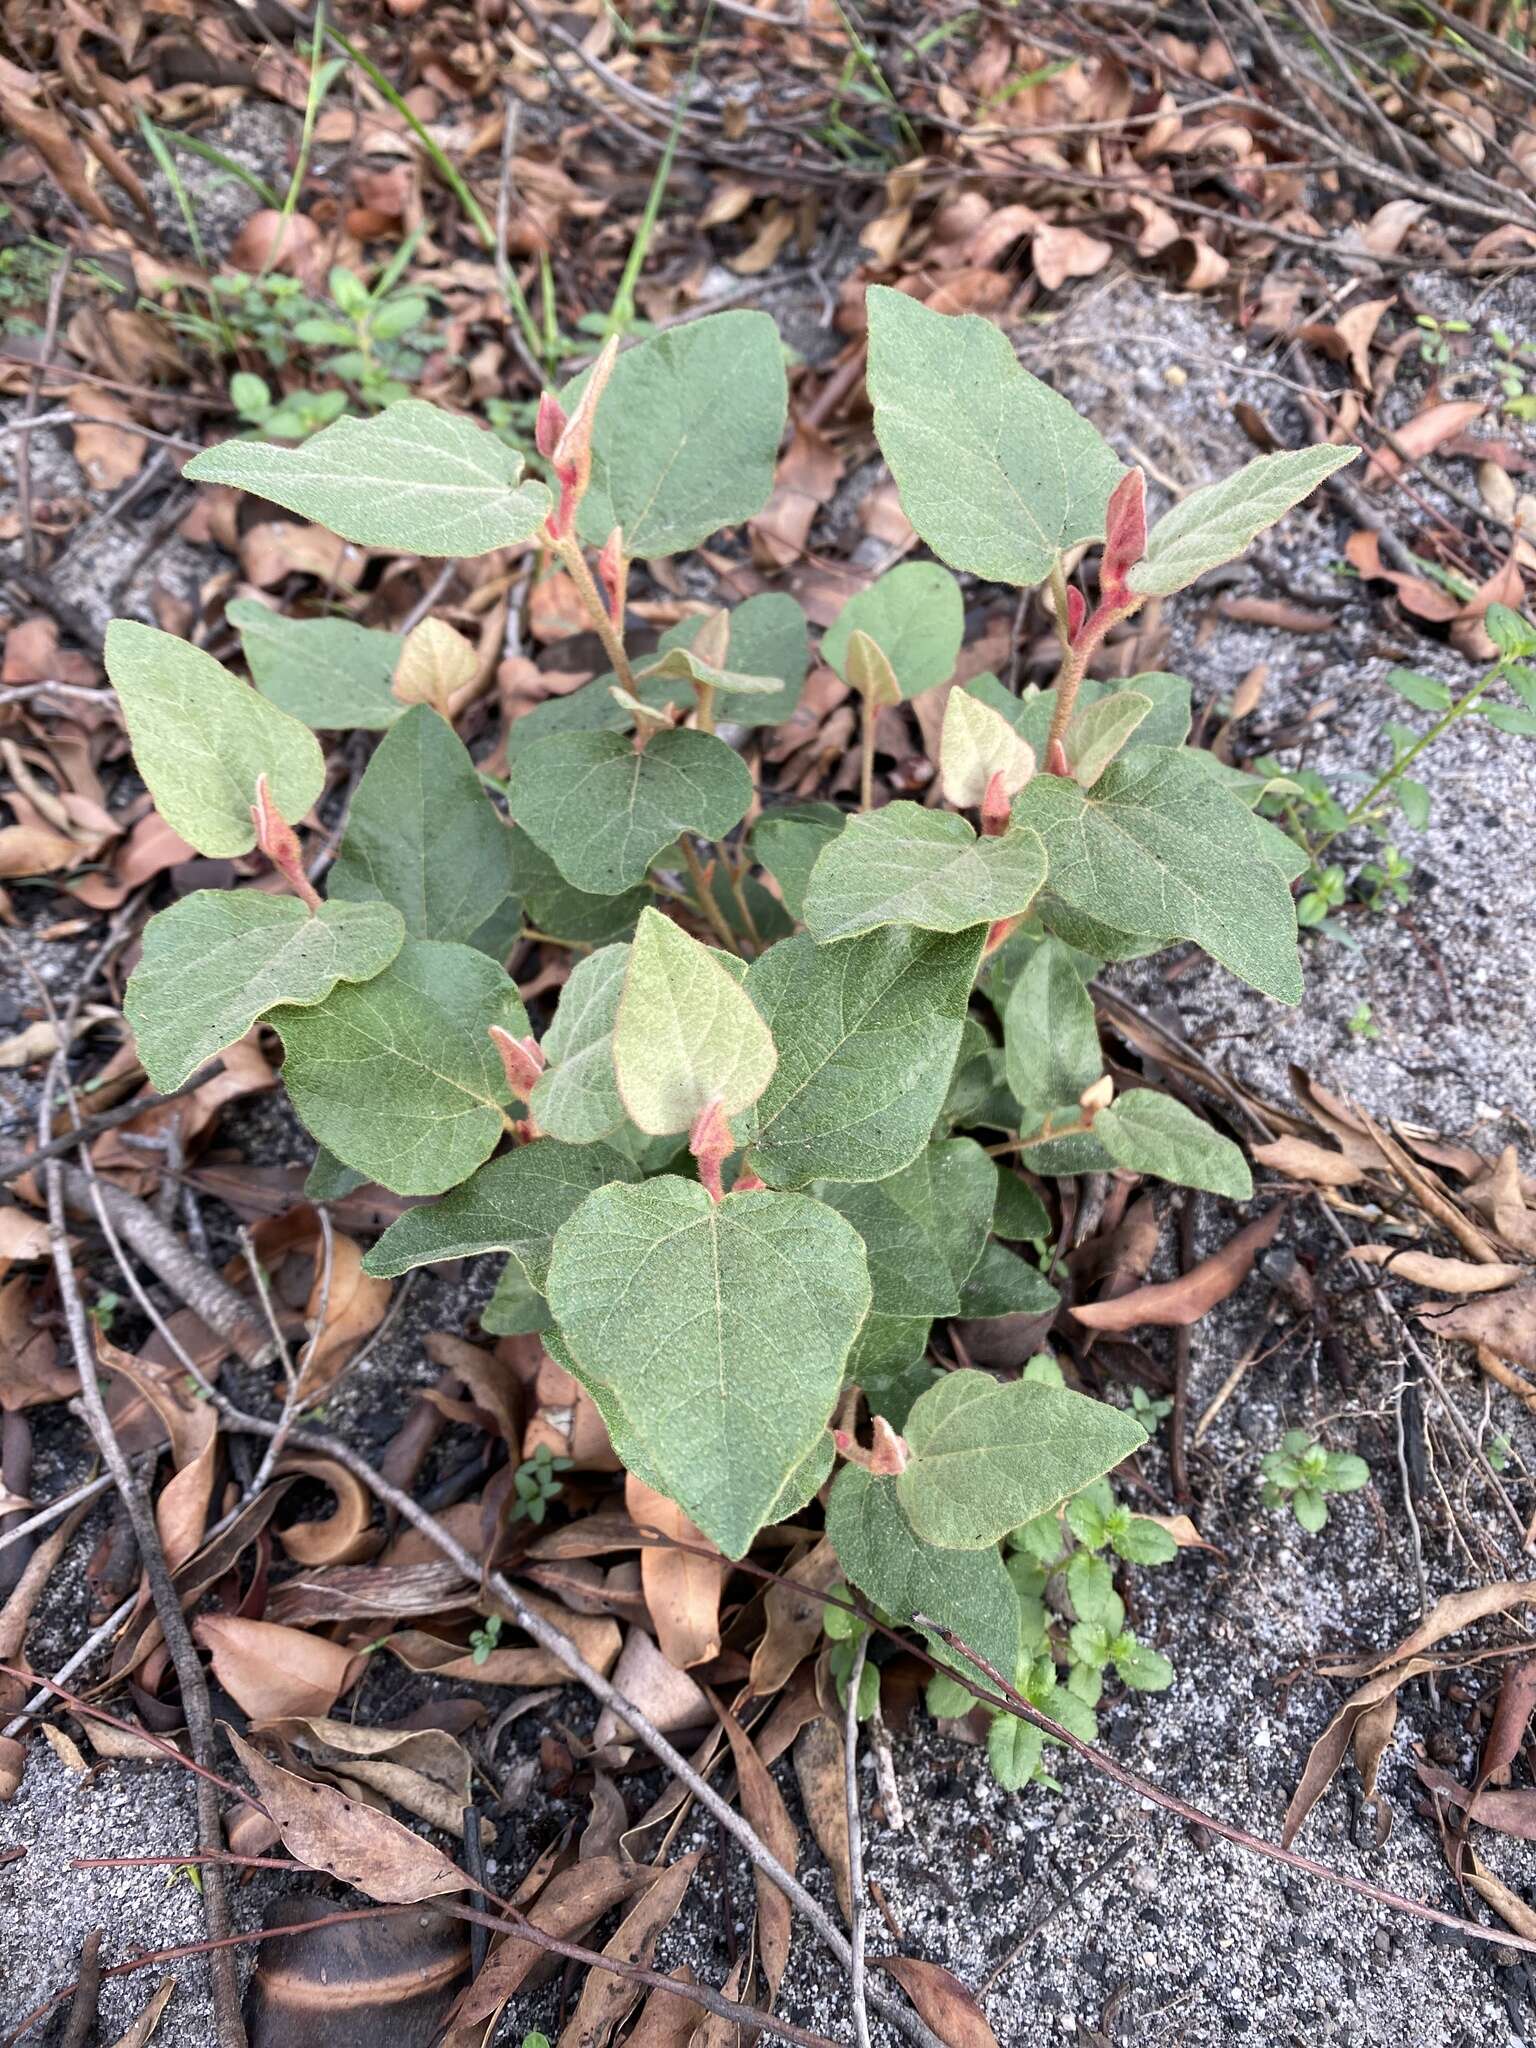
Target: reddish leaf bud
x,y
711,1143
888,1455
549,426
996,807
277,839
522,1061
1056,759
1077,611
613,575
1125,532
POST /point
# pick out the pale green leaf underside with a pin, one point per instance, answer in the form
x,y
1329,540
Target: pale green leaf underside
x,y
996,471
716,1332
423,834
513,1204
686,435
967,1591
201,738
867,1035
216,960
398,1077
1151,1133
767,638
1158,849
577,1096
1215,524
687,1033
1166,725
977,743
910,866
1100,730
515,1309
602,812
923,1228
988,1456
412,478
1051,1040
678,664
916,617
330,673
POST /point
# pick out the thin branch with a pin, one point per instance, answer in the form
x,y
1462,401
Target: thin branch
x,y
858,1905
89,1127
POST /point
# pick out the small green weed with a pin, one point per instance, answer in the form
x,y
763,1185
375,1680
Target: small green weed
x,y
1301,1475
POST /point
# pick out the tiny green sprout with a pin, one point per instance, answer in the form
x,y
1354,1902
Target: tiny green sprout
x,y
483,1640
845,1631
1435,340
1301,1474
535,2041
535,1484
1499,1452
103,1310
1361,1022
1147,1411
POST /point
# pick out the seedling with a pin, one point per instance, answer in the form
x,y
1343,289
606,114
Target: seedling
x,y
1362,1022
483,1640
1437,338
1301,1475
535,1484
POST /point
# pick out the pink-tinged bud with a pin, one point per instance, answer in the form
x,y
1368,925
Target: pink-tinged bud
x,y
888,1455
571,453
1056,760
613,575
1125,533
277,839
522,1061
549,426
1077,611
996,807
711,1143
748,1183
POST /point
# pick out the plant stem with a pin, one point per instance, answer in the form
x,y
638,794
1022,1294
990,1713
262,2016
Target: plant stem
x,y
568,551
866,755
857,1904
708,908
1385,781
1059,601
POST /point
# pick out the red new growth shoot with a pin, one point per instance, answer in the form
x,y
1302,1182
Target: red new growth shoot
x,y
711,1144
888,1455
565,440
1125,536
280,843
613,575
996,807
522,1061
1077,611
748,1183
1056,759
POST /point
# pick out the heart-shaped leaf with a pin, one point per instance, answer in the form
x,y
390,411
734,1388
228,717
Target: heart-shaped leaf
x,y
923,1228
1216,524
201,739
996,471
977,743
602,811
909,866
576,1098
916,617
687,1032
398,1076
713,1335
551,905
330,673
1147,1132
412,478
216,960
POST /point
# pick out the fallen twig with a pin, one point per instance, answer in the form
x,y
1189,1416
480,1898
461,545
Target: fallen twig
x,y
858,1905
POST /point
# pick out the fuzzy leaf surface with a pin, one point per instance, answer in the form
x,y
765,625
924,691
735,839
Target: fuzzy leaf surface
x,y
788,840
975,744
1049,1035
602,812
716,1332
1003,1284
996,471
1148,1132
201,738
216,960
397,1076
1165,725
687,1033
412,478
867,1035
1215,524
768,638
1101,730
576,1098
988,1456
923,1228
916,617
910,866
331,674
552,905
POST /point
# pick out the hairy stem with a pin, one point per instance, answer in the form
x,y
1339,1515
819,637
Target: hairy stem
x,y
574,562
708,908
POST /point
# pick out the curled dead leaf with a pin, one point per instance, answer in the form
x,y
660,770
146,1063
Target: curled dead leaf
x,y
1177,1303
1300,1159
1450,1276
682,1589
270,1671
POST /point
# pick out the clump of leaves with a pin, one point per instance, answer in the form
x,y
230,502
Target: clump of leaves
x,y
735,1179
1301,1475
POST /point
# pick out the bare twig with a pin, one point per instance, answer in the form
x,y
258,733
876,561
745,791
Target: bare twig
x,y
55,1508
18,1163
858,1904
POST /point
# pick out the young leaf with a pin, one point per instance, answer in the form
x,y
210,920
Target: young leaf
x,y
1141,1668
551,905
423,834
909,866
687,435
1216,524
577,1095
201,739
1014,1750
1147,1132
687,1033
977,743
916,617
1158,849
998,473
436,663
1165,725
767,638
1099,730
987,1456
867,1035
680,664
713,1335
216,960
331,674
1428,693
412,478
397,1076
602,812
514,1204
787,841
881,1553
1049,1035
923,1228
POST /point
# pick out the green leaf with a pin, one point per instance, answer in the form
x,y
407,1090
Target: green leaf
x,y
1166,724
1159,850
687,1034
1427,692
413,479
1343,1472
768,638
1310,1510
201,738
916,617
1147,1132
551,905
602,811
1141,1668
805,1482
516,1307
589,709
713,1335
787,841
1510,718
998,473
987,1456
969,1592
923,1228
333,675
1014,1750
1100,730
1514,636
1088,1514
1002,1284
576,1098
888,1361
686,436
1049,1033
216,960
909,866
398,1076
867,1035
976,744
680,664
512,1204
1019,1213
328,1180
423,834
1143,1541
1091,1584
1215,524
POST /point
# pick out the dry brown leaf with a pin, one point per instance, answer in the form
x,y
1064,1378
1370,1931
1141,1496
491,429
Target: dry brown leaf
x,y
425,1770
1450,1276
1509,1906
436,666
818,1755
143,2029
108,453
1062,252
280,548
595,1636
1510,1813
607,2000
49,134
23,1237
665,2021
329,1831
1500,1193
668,1697
1300,1159
1425,600
763,1805
944,2002
1177,1303
1421,436
570,1904
270,1671
353,1304
808,473
492,1381
181,1510
1448,1617
269,241
1329,1750
792,1618
682,1590
345,1537
1505,1322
